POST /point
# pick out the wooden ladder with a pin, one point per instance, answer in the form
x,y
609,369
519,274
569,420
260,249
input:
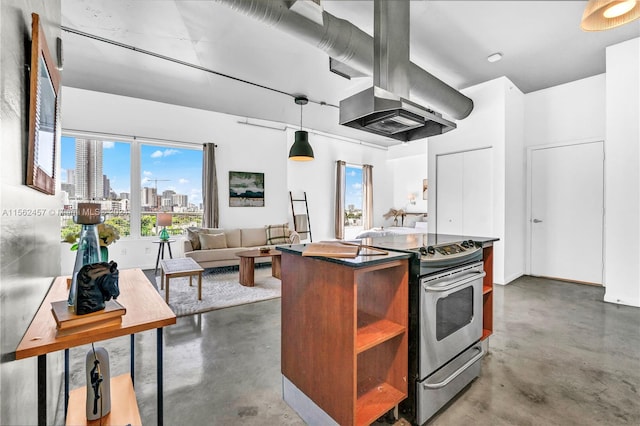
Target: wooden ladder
x,y
301,219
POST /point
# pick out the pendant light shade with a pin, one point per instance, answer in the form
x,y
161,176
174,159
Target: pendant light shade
x,y
301,149
600,15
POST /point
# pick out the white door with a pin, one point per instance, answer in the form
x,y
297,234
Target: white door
x,y
464,204
567,212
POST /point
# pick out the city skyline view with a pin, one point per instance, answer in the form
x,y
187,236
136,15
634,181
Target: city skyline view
x,y
176,169
353,187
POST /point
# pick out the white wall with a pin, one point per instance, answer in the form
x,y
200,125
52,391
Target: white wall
x,y
490,125
566,113
409,168
622,177
240,148
318,179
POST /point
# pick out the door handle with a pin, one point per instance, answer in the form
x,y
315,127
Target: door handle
x,y
537,221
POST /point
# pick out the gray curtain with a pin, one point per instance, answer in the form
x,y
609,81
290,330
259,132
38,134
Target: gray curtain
x,y
209,187
339,209
367,196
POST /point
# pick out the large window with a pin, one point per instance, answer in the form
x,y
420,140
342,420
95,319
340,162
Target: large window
x,y
168,178
352,201
96,170
171,181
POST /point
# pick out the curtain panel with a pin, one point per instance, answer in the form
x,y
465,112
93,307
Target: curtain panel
x,y
209,187
339,207
367,197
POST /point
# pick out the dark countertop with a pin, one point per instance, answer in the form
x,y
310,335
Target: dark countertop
x,y
357,262
413,241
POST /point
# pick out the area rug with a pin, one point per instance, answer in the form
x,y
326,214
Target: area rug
x,y
220,289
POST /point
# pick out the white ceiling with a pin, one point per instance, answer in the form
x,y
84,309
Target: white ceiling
x,y
541,41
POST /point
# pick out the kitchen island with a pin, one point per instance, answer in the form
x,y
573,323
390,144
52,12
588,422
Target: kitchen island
x,y
344,335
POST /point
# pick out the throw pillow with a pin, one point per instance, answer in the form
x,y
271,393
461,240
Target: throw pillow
x,y
192,236
212,241
278,234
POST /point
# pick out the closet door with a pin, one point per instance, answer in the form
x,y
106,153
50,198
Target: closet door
x,y
464,192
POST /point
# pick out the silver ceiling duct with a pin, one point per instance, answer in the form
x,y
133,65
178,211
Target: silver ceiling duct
x,y
383,109
348,44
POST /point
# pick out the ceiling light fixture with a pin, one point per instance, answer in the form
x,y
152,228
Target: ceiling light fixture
x,y
495,57
301,150
600,15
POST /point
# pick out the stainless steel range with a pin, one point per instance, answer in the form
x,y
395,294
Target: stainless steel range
x,y
445,320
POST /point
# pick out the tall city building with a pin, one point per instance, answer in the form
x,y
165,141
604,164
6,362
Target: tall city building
x,y
180,200
88,176
148,197
106,187
71,177
124,196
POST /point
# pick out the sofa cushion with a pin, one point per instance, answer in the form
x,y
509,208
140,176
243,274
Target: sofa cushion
x,y
277,234
253,237
212,241
215,255
194,232
233,237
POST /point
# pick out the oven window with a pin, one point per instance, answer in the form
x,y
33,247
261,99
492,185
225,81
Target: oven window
x,y
454,312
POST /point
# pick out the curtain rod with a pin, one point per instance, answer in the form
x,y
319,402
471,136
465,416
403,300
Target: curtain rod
x,y
89,133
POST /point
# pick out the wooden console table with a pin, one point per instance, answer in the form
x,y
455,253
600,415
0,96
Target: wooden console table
x,y
146,310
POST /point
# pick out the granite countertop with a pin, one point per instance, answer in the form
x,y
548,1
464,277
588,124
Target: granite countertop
x,y
413,241
357,262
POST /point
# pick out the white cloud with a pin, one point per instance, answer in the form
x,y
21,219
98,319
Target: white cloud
x,y
183,180
108,144
356,186
146,180
166,153
147,173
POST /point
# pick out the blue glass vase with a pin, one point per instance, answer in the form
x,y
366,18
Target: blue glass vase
x,y
88,253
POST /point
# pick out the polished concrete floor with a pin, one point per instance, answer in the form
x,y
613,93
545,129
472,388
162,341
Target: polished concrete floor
x,y
559,355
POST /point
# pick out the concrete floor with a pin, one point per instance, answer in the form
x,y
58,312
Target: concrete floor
x,y
558,356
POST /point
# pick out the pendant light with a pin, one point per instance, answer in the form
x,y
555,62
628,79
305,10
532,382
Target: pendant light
x,y
600,15
301,150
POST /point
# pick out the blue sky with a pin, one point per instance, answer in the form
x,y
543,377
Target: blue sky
x,y
353,187
182,168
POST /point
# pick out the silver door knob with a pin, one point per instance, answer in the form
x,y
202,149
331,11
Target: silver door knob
x,y
536,221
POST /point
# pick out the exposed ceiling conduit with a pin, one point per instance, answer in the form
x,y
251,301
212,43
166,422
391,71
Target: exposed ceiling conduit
x,y
347,43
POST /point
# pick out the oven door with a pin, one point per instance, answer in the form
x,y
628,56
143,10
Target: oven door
x,y
450,315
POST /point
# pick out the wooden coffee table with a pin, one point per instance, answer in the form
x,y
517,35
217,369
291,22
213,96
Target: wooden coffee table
x,y
183,267
247,265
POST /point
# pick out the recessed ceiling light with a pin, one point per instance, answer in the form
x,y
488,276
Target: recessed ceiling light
x,y
495,57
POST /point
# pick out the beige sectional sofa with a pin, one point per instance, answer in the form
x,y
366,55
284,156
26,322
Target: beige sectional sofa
x,y
215,247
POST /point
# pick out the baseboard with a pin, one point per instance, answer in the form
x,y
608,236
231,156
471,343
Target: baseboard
x,y
308,410
611,298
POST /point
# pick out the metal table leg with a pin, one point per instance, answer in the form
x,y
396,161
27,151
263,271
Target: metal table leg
x,y
66,382
159,373
42,390
132,367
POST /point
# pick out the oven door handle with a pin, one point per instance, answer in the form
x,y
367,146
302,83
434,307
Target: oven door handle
x,y
448,285
456,373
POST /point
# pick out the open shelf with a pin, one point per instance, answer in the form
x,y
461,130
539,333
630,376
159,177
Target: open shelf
x,y
486,289
485,333
124,407
375,400
373,330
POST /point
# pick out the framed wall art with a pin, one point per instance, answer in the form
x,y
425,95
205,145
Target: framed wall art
x,y
44,87
246,189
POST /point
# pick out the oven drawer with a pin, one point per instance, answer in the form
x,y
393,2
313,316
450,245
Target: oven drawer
x,y
436,390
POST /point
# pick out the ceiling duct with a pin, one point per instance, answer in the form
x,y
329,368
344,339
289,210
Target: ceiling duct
x,y
348,44
383,109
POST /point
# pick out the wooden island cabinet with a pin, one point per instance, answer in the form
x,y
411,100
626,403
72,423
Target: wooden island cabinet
x,y
344,335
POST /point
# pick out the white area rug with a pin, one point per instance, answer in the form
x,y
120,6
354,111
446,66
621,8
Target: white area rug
x,y
220,289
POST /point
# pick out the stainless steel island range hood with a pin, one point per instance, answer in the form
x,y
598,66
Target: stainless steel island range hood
x,y
384,108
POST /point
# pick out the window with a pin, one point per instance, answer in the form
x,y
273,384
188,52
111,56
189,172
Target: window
x,y
169,178
352,201
171,181
96,170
